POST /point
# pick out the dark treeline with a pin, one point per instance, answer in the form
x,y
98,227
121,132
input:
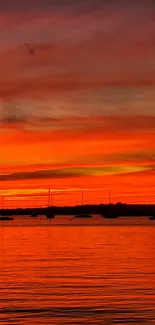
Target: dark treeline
x,y
121,209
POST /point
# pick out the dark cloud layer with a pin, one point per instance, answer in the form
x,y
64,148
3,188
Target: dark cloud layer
x,y
50,4
86,126
73,172
73,5
41,174
12,115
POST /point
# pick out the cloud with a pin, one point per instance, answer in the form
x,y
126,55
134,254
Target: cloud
x,y
85,122
74,172
85,52
73,5
46,86
42,174
85,5
132,159
11,115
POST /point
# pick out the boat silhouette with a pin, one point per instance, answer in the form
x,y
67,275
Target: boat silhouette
x,y
83,216
49,212
109,212
152,217
6,218
49,215
110,215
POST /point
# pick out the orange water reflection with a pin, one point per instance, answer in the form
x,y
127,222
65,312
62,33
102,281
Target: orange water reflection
x,y
73,275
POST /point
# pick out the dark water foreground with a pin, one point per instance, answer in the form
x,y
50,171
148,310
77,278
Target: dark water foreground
x,y
77,275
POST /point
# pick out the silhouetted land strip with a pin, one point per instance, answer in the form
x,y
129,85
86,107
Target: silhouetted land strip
x,y
121,209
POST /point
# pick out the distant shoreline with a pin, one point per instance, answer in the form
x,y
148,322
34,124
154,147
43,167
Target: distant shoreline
x,y
122,209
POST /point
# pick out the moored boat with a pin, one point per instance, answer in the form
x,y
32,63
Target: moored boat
x,y
109,215
109,212
6,218
83,216
152,217
49,215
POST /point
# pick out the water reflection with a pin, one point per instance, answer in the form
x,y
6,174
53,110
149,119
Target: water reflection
x,y
73,275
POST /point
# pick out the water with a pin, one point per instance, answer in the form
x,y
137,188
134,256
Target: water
x,y
53,273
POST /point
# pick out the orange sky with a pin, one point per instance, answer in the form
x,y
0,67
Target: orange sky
x,y
77,104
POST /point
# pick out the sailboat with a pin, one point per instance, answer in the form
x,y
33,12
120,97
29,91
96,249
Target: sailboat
x,y
152,217
109,213
6,218
82,216
49,214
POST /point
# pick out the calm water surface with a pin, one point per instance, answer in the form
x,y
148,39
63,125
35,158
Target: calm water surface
x,y
53,273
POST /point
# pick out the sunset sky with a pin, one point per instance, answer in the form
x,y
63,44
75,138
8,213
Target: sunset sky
x,y
77,101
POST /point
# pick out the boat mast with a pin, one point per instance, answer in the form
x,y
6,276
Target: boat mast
x,y
109,196
49,197
82,199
